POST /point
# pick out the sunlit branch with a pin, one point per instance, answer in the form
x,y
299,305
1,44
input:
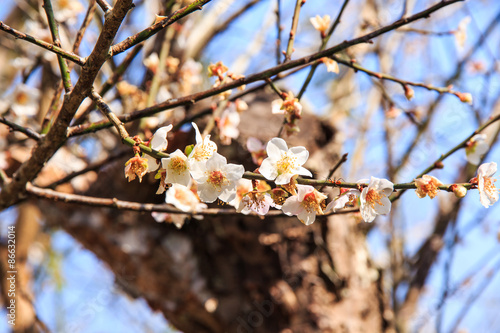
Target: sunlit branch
x,y
104,108
425,124
126,205
324,42
278,32
293,29
354,65
13,191
191,99
18,128
342,160
111,81
155,28
63,66
106,7
50,47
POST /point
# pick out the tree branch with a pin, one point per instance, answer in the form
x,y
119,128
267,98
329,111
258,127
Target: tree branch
x,y
13,191
152,30
191,99
51,47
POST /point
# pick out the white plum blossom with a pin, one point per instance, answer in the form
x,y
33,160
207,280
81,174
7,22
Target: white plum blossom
x,y
216,178
243,186
255,201
177,168
158,142
183,199
346,198
475,148
136,167
289,106
427,185
320,23
374,198
283,163
203,149
228,125
306,204
488,193
331,65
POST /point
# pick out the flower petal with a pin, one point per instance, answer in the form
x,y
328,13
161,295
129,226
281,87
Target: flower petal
x,y
292,206
307,218
487,169
199,139
207,192
216,162
234,172
385,208
159,140
304,172
301,154
275,147
268,170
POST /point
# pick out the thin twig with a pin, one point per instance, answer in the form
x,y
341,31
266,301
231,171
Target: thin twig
x,y
278,32
105,109
431,110
18,128
126,205
342,160
50,47
324,42
111,81
152,30
274,87
191,99
106,7
354,65
85,24
438,162
293,29
56,99
63,66
472,298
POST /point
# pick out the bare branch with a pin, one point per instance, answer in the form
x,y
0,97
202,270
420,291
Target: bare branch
x,y
51,47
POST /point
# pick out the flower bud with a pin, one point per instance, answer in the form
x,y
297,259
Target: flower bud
x,y
459,190
464,97
409,93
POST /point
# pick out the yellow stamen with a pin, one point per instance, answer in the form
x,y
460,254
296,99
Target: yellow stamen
x,y
217,179
286,164
178,165
373,197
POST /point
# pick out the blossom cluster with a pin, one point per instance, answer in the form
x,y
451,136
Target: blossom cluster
x,y
201,175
